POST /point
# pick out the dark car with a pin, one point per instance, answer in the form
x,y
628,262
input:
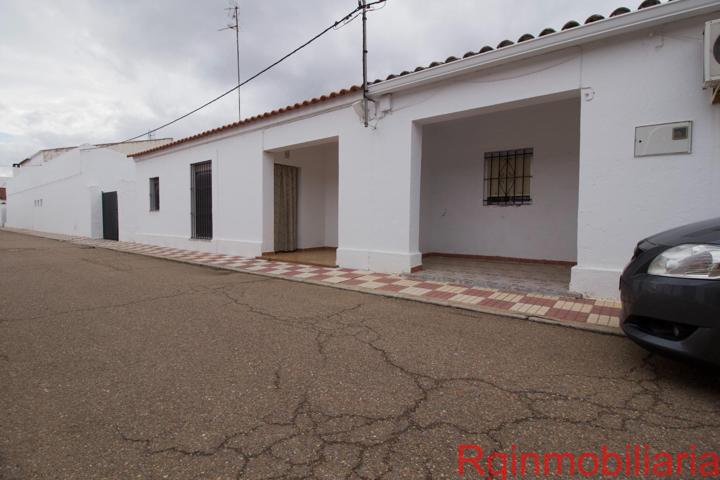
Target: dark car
x,y
670,292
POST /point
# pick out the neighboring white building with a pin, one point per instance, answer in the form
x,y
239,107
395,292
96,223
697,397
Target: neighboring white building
x,y
60,190
448,143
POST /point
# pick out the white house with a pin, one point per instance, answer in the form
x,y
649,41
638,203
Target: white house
x,y
565,147
61,190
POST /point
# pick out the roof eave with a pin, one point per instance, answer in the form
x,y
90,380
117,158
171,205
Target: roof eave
x,y
329,105
642,19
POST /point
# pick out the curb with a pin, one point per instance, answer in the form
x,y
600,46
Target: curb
x,y
589,327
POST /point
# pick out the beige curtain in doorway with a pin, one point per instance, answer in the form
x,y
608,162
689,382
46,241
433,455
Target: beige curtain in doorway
x,y
286,199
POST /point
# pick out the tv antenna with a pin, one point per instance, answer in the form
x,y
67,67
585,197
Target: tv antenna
x,y
234,25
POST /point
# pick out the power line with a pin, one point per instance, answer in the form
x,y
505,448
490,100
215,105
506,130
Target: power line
x,y
272,65
358,12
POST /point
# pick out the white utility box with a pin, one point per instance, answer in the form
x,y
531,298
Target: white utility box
x,y
663,139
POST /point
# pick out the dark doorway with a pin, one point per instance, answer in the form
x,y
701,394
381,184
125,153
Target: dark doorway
x,y
110,215
286,206
201,198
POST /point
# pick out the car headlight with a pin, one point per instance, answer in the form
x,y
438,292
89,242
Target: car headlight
x,y
688,261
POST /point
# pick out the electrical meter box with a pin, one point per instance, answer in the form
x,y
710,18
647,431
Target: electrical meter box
x,y
663,139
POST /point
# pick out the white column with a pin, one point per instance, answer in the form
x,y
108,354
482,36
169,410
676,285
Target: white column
x,y
268,203
95,218
379,197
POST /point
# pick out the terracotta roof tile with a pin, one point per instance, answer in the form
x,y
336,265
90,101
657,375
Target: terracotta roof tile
x,y
526,37
620,11
262,116
594,18
648,3
355,88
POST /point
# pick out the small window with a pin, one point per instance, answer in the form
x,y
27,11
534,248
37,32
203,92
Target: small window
x,y
154,194
201,198
507,177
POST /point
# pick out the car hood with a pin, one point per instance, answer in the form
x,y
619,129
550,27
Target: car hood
x,y
707,231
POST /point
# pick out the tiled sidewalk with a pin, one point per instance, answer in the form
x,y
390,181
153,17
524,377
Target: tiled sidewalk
x,y
602,315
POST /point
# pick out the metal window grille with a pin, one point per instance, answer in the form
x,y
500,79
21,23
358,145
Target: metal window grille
x,y
154,194
201,198
507,177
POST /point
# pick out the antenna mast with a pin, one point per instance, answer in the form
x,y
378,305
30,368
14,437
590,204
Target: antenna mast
x,y
233,12
364,60
363,4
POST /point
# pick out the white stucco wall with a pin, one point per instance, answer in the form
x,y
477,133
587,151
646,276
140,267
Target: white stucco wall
x,y
379,168
331,200
647,78
453,217
242,183
380,183
64,195
237,188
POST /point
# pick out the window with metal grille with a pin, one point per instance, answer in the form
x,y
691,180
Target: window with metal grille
x,y
154,194
201,198
507,177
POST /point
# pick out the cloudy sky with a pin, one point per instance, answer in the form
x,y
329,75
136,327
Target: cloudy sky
x,y
83,71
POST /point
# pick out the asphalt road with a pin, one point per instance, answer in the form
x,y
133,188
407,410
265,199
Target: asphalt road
x,y
121,366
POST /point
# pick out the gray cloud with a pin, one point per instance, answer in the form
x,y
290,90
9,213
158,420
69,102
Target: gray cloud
x,y
81,71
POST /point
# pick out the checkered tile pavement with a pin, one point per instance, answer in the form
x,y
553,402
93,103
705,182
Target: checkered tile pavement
x,y
601,314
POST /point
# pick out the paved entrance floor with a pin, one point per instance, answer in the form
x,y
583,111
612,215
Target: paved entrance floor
x,y
596,314
507,276
323,257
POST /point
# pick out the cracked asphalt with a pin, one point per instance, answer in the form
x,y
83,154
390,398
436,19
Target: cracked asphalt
x,y
120,366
